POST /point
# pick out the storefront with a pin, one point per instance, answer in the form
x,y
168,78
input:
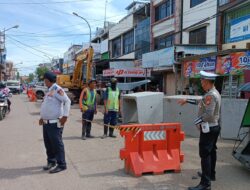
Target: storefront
x,y
166,67
231,67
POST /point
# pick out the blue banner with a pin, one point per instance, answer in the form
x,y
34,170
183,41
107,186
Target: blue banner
x,y
207,64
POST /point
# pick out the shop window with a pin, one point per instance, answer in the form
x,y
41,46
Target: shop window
x,y
198,36
196,2
128,42
164,10
116,47
164,42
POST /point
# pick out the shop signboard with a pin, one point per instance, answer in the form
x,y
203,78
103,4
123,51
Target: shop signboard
x,y
240,29
193,68
108,72
234,63
133,73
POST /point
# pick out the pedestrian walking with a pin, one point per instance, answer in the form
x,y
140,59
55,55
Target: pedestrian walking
x,y
54,113
111,108
88,108
208,124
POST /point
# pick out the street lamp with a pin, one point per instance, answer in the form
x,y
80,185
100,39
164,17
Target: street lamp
x,y
16,26
88,26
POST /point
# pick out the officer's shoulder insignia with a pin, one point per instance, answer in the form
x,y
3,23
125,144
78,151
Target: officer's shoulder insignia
x,y
60,91
208,99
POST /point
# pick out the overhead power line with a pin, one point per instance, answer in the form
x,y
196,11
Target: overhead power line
x,y
43,3
24,49
48,35
44,53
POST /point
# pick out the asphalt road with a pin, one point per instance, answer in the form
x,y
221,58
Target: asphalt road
x,y
94,164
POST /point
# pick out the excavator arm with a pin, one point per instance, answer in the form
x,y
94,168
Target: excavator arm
x,y
85,57
76,81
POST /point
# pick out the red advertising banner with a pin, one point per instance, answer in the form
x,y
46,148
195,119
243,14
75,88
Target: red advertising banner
x,y
234,63
137,72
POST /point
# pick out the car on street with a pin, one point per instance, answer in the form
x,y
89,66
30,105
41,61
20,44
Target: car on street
x,y
40,90
14,86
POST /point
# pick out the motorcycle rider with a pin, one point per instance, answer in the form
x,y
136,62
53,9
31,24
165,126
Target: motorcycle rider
x,y
5,90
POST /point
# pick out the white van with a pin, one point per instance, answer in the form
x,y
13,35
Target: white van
x,y
14,86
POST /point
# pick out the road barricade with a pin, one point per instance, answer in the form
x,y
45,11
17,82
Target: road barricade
x,y
155,148
32,96
29,92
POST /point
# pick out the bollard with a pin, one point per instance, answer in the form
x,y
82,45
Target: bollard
x,y
155,148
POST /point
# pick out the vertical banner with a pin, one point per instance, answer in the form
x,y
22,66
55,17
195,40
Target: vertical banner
x,y
190,68
224,65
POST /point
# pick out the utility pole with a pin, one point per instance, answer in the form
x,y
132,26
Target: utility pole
x,y
105,15
2,47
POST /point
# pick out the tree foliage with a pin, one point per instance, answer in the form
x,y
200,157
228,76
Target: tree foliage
x,y
40,72
31,77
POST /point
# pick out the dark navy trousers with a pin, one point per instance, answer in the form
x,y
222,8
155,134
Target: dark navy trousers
x,y
110,118
89,116
52,136
207,150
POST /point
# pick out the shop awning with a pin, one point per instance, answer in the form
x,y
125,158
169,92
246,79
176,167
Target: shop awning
x,y
131,85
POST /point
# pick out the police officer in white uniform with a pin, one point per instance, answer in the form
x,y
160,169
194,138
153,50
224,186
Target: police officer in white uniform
x,y
54,113
208,124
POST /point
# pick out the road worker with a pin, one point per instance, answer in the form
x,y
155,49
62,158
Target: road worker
x,y
88,108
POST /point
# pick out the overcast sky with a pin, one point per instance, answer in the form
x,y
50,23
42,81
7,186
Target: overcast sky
x,y
50,28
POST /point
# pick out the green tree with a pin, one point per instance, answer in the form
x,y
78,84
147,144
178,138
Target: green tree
x,y
40,72
31,77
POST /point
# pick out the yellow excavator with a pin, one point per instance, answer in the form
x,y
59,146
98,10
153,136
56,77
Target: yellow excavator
x,y
76,82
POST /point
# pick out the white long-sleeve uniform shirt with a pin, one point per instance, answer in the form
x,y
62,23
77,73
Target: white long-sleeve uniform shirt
x,y
56,104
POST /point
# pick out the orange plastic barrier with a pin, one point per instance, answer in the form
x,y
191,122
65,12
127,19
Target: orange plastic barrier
x,y
29,92
155,148
32,96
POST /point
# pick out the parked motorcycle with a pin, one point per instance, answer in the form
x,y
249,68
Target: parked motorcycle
x,y
3,105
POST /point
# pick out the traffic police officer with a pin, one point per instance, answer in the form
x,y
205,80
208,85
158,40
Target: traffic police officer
x,y
54,113
208,123
88,108
111,107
